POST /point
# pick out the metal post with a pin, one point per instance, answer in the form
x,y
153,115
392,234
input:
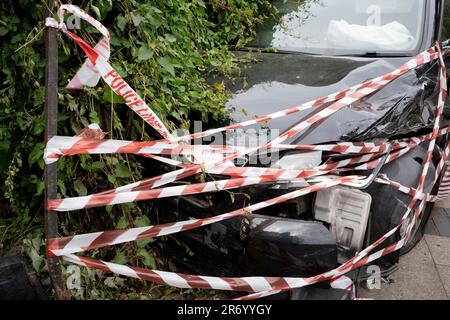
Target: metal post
x,y
51,114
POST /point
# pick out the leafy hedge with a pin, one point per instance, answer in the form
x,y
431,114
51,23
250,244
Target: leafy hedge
x,y
164,49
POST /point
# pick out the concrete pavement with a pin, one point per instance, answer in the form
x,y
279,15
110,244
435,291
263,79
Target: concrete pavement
x,y
424,273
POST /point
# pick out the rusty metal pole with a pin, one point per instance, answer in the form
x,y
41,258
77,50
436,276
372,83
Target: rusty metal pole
x,y
51,114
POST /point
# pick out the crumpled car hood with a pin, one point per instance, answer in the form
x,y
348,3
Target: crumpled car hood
x,y
278,81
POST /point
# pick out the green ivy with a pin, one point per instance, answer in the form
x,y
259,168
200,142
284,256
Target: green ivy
x,y
164,48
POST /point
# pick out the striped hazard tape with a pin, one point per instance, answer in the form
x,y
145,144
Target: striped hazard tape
x,y
97,66
444,187
354,156
61,246
254,176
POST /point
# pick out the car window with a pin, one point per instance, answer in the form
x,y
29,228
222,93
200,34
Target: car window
x,y
328,26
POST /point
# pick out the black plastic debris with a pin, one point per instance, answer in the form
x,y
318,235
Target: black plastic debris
x,y
18,281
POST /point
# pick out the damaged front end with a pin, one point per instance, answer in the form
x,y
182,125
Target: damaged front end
x,y
317,232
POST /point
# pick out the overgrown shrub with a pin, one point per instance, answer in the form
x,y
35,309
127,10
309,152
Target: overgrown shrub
x,y
164,48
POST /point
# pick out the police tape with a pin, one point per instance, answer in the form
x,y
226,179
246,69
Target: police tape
x,y
345,97
98,65
105,238
254,175
369,154
60,146
363,258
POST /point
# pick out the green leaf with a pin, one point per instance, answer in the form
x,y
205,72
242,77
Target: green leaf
x,y
145,53
170,37
122,223
41,163
110,282
154,20
62,187
93,116
142,221
96,11
137,19
97,165
121,22
40,187
80,188
32,246
112,97
36,153
120,258
122,171
115,41
216,63
3,31
17,38
167,65
4,146
143,243
36,259
112,178
148,260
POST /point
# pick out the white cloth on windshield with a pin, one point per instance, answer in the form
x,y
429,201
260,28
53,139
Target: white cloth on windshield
x,y
391,36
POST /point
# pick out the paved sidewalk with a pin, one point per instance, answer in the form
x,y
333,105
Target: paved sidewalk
x,y
424,273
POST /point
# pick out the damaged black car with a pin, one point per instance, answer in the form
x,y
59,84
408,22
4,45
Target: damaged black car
x,y
310,50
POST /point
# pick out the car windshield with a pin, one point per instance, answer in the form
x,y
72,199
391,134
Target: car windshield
x,y
358,27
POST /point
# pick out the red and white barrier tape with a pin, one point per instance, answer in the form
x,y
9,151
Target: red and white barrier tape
x,y
349,97
266,174
444,187
60,146
62,246
263,286
362,258
92,201
98,64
